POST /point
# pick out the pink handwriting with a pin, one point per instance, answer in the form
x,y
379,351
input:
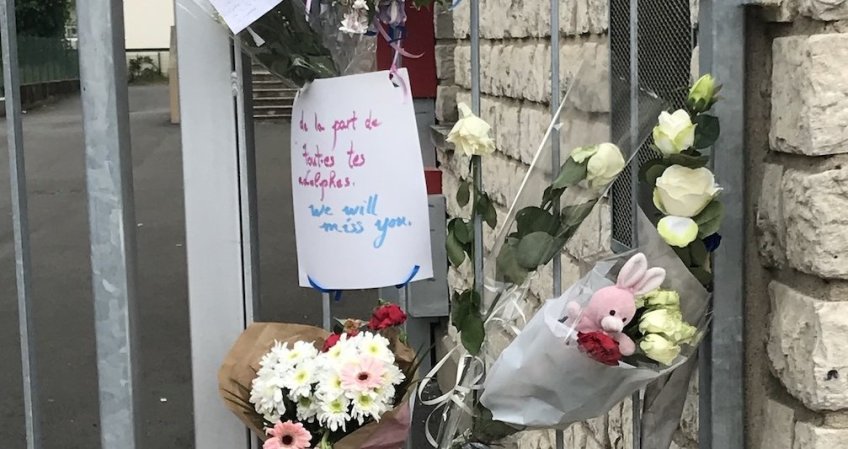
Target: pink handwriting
x,y
317,159
318,181
354,159
371,123
302,123
318,126
341,125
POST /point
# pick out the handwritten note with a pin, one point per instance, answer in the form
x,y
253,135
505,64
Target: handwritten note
x,y
239,14
360,202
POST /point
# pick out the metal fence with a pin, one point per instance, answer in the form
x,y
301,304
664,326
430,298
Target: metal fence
x,y
45,60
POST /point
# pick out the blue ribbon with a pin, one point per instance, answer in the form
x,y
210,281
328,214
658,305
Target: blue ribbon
x,y
337,294
454,4
409,278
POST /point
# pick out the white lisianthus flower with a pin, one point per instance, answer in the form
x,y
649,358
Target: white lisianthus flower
x,y
685,192
661,321
677,231
376,346
334,413
470,134
674,133
656,347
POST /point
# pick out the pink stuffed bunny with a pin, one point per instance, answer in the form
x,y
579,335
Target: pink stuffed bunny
x,y
611,308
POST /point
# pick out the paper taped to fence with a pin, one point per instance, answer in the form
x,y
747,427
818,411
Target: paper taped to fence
x,y
360,201
239,14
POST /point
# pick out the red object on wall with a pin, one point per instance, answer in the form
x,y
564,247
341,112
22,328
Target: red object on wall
x,y
420,40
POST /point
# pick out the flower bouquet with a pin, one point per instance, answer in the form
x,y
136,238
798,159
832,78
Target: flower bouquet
x,y
300,386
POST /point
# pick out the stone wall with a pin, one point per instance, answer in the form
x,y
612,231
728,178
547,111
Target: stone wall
x,y
797,301
515,84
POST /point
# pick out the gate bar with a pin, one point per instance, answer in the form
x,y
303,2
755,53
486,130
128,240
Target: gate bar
x,y
722,404
111,211
20,219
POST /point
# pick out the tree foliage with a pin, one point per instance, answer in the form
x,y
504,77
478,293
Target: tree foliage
x,y
44,18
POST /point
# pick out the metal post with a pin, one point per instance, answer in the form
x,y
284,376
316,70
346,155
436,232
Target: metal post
x,y
722,53
20,219
477,170
327,316
111,213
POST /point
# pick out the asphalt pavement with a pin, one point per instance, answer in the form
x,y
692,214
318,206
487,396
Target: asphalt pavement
x,y
61,283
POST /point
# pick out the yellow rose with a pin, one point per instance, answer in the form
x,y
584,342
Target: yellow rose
x,y
674,133
678,231
658,348
666,298
660,321
685,192
470,134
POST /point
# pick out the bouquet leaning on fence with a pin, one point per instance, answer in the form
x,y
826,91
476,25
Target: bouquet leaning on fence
x,y
300,386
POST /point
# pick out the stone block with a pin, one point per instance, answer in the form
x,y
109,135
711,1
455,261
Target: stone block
x,y
807,349
591,241
810,95
462,64
443,22
502,177
450,184
590,85
825,9
811,436
445,67
577,17
778,10
770,225
814,206
778,426
446,111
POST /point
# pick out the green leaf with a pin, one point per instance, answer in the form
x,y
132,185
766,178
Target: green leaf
x,y
507,266
703,276
707,131
459,310
698,253
687,161
709,220
463,194
485,428
550,196
490,214
570,174
456,255
684,254
533,219
472,334
463,231
572,217
533,248
651,171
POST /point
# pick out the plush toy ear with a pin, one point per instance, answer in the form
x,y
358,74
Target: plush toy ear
x,y
652,280
632,272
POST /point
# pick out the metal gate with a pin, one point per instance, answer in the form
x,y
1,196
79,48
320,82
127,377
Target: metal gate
x,y
220,195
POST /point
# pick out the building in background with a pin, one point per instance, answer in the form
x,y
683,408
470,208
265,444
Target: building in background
x,y
147,26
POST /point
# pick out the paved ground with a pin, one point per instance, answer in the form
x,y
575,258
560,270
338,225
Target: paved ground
x,y
61,284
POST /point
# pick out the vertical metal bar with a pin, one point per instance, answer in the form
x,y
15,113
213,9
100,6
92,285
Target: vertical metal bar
x,y
326,313
112,223
20,219
242,92
722,53
636,398
477,170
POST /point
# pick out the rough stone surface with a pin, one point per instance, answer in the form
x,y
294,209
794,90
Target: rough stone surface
x,y
689,421
443,21
779,10
770,224
814,206
445,67
778,427
807,347
810,436
825,9
446,111
810,95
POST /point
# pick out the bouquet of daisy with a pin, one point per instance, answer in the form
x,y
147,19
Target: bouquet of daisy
x,y
300,386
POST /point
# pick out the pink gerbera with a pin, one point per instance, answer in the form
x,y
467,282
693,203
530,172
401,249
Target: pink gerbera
x,y
287,435
363,375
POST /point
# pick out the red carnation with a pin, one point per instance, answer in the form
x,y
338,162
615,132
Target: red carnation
x,y
600,347
331,341
386,316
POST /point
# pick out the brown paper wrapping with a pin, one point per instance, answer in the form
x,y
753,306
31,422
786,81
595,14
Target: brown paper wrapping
x,y
242,362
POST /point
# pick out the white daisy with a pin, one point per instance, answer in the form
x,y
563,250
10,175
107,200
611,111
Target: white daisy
x,y
334,413
266,395
330,384
273,357
301,351
308,408
377,346
366,405
299,381
393,375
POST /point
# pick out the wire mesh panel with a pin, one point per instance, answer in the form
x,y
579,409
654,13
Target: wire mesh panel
x,y
656,74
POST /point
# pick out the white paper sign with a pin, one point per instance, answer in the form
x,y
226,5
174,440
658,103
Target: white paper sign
x,y
239,14
360,201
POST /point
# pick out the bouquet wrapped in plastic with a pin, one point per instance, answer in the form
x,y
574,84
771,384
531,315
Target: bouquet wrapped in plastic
x,y
607,336
301,386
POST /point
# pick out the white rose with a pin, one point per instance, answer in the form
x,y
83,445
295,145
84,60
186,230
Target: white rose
x,y
658,348
470,134
662,298
661,321
677,231
674,133
684,192
604,165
